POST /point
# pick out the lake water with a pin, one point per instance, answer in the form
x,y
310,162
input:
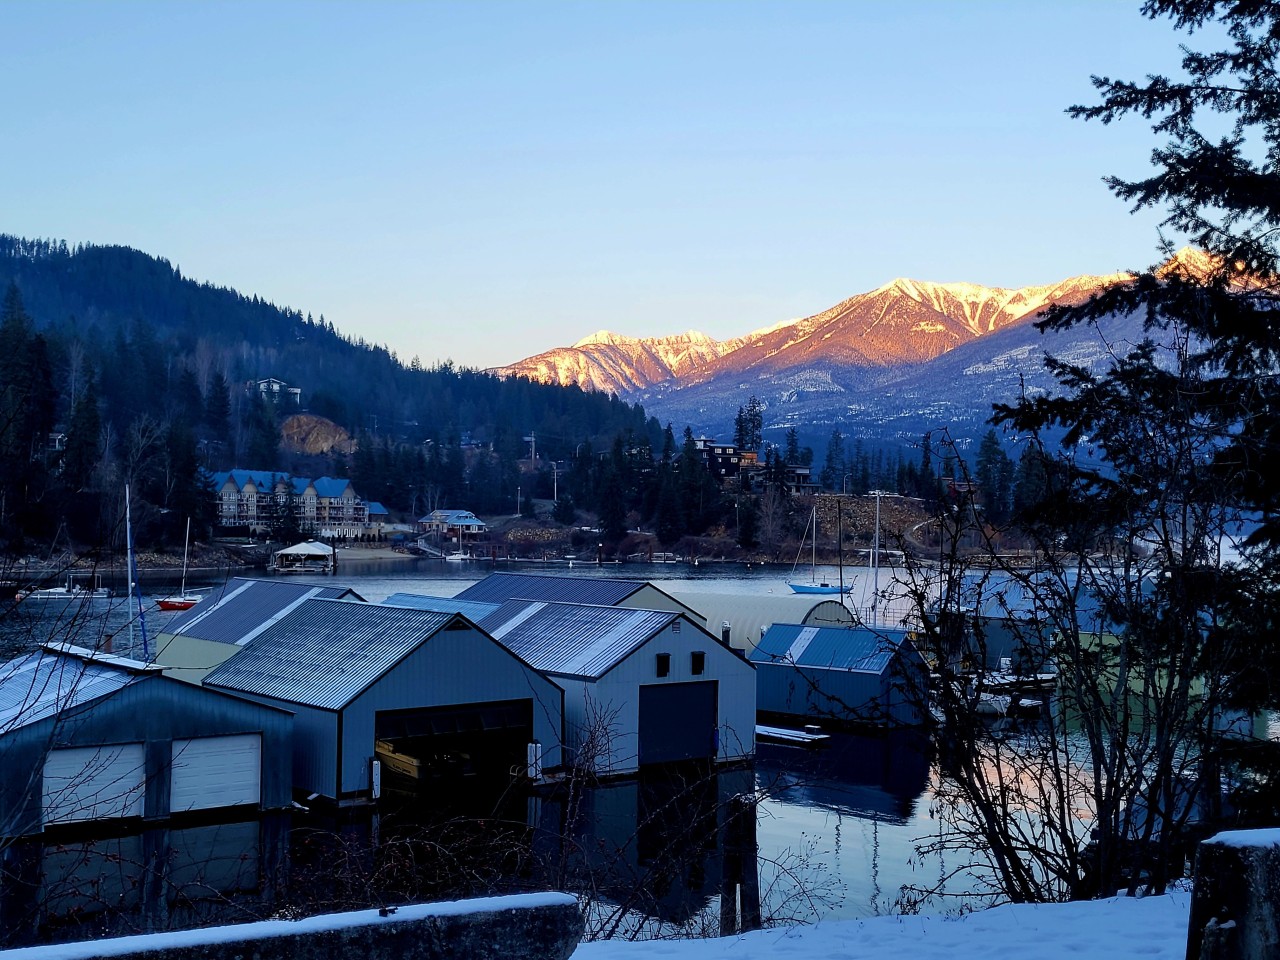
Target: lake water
x,y
835,828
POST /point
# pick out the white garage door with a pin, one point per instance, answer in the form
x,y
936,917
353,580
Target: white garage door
x,y
216,772
91,783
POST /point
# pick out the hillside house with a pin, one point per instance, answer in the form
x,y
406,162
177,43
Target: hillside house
x,y
276,391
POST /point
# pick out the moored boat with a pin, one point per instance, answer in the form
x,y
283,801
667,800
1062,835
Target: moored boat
x,y
74,590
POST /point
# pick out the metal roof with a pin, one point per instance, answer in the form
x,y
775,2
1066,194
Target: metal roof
x,y
472,610
573,640
600,591
1002,596
324,653
750,614
46,682
243,606
856,649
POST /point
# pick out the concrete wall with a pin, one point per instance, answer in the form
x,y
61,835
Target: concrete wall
x,y
545,926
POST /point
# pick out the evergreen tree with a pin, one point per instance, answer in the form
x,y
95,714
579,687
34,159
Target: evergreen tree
x,y
792,455
1163,451
217,407
833,467
753,423
740,433
748,523
84,439
564,511
994,474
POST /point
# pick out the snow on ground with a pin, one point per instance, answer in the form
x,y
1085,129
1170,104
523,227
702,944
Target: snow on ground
x,y
1154,928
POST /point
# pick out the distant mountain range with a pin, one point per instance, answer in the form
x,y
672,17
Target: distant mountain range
x,y
888,364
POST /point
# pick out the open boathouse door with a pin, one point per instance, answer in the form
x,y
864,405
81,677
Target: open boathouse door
x,y
473,740
678,721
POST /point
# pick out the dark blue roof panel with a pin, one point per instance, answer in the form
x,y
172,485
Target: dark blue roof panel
x,y
857,649
241,606
501,587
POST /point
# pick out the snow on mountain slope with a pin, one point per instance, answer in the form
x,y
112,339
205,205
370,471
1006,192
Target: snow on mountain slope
x,y
903,322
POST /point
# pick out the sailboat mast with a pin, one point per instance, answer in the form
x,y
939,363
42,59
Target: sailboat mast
x,y
186,545
134,592
813,557
875,568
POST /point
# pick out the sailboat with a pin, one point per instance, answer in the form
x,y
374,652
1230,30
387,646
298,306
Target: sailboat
x,y
814,585
181,600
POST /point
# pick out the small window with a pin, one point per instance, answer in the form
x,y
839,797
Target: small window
x,y
698,663
675,626
664,664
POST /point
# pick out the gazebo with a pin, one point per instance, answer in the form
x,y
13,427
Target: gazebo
x,y
309,557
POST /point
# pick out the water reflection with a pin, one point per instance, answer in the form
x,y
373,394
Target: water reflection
x,y
843,821
74,885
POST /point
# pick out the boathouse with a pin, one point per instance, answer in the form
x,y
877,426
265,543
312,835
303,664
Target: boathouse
x,y
372,685
197,640
87,736
855,675
641,686
744,617
310,556
598,591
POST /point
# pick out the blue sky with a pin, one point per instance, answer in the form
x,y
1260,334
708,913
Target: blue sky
x,y
480,181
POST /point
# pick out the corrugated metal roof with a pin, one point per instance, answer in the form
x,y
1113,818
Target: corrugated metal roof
x,y
43,683
473,611
243,606
325,652
858,649
501,587
1032,597
749,615
573,640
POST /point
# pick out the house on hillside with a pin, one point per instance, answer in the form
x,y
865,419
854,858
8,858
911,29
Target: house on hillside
x,y
276,391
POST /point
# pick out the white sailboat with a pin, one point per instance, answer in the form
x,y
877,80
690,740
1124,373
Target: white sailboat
x,y
814,585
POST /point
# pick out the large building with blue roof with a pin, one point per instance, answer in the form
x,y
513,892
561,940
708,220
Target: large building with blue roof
x,y
855,675
325,506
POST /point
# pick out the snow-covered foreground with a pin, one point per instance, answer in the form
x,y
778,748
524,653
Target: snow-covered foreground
x,y
1121,929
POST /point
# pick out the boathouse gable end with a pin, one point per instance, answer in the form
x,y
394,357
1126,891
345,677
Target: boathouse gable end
x,y
360,673
107,741
854,675
608,661
592,591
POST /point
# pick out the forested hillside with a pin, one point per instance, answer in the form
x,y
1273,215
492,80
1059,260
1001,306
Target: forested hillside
x,y
115,368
